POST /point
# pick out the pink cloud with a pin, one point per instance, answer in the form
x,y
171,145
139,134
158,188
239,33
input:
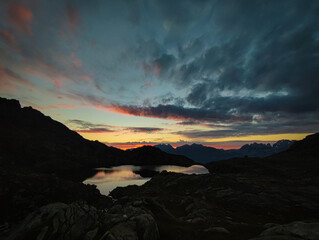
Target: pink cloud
x,y
20,17
76,60
8,37
48,72
77,63
154,68
148,84
85,78
157,69
9,80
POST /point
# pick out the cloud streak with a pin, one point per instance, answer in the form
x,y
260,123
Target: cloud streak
x,y
20,17
176,113
144,129
88,127
8,37
248,129
9,80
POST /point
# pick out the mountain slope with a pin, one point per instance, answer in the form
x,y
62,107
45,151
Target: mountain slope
x,y
300,160
29,138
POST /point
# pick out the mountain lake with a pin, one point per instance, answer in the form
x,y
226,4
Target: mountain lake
x,y
107,179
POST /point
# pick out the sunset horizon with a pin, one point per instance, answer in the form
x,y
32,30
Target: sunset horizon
x,y
156,72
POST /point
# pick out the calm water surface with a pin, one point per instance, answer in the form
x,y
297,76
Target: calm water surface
x,y
106,179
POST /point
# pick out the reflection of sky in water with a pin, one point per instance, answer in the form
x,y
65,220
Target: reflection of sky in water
x,y
106,179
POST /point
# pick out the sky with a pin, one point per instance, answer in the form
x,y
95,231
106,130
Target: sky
x,y
133,72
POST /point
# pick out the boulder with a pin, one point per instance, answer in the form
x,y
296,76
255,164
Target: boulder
x,y
79,220
294,230
59,221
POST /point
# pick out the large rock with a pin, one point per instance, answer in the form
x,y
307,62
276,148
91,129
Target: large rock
x,y
82,221
294,230
58,221
127,222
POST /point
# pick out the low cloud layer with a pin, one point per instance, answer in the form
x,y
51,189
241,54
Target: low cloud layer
x,y
88,127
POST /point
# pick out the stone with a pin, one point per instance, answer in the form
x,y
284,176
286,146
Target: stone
x,y
294,230
91,234
217,230
71,221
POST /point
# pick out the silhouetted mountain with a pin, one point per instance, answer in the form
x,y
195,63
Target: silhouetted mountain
x,y
155,156
31,139
166,148
300,160
203,154
309,146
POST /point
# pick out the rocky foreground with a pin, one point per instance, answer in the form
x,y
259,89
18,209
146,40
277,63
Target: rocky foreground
x,y
246,198
170,206
258,199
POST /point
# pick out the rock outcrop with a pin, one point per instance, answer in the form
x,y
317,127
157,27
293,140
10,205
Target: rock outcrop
x,y
294,231
81,221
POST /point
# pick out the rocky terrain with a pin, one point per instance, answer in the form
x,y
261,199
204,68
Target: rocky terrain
x,y
276,197
204,154
251,204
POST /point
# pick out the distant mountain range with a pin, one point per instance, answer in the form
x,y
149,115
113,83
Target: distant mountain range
x,y
203,154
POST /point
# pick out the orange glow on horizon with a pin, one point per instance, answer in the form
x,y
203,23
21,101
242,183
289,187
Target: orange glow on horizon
x,y
128,146
126,140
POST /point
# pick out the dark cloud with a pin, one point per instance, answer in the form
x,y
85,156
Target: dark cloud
x,y
263,128
94,130
254,68
192,48
168,98
88,127
163,66
269,104
188,73
198,94
177,113
144,129
188,123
